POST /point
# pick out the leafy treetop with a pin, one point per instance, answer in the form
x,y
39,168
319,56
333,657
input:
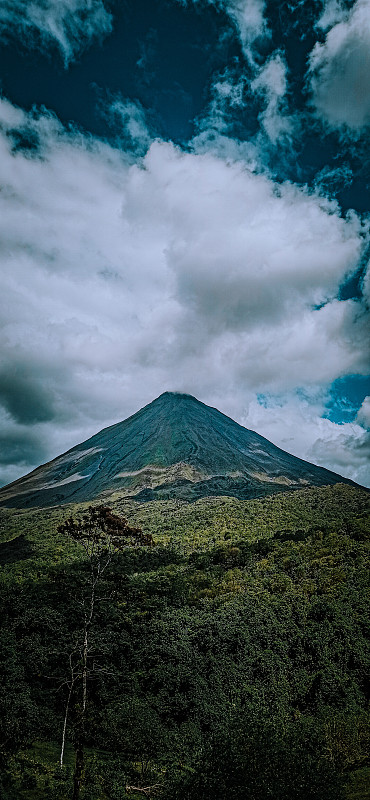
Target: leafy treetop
x,y
101,529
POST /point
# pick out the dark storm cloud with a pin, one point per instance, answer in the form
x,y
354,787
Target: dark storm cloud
x,y
20,447
24,396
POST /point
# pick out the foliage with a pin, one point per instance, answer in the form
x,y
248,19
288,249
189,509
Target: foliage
x,y
99,529
233,667
256,758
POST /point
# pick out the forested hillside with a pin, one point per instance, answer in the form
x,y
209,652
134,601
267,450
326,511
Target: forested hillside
x,y
228,659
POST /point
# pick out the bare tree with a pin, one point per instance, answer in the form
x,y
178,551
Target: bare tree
x,y
101,533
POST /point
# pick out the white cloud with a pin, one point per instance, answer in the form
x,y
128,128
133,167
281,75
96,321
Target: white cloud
x,y
215,126
247,16
333,12
296,424
228,93
230,99
69,24
330,181
366,286
129,119
182,271
340,67
271,82
363,414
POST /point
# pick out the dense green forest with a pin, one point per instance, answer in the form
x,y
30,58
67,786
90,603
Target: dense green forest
x,y
224,655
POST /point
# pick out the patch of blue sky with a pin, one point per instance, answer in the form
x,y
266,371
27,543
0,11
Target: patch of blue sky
x,y
346,397
352,286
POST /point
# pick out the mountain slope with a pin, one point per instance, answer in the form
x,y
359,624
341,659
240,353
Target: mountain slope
x,y
174,447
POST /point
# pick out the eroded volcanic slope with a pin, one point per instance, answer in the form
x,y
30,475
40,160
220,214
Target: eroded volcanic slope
x,y
174,447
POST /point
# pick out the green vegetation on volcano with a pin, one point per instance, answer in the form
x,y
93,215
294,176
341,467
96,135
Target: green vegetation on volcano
x,y
188,526
228,661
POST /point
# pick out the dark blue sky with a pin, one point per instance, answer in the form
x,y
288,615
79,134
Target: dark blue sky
x,y
275,92
158,52
166,56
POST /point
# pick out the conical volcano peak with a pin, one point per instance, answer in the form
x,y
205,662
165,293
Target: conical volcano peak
x,y
176,393
176,397
171,402
174,447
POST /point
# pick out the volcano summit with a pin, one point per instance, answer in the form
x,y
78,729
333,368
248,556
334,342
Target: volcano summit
x,y
175,447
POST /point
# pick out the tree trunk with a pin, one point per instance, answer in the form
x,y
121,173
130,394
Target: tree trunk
x,y
79,768
84,675
79,762
65,727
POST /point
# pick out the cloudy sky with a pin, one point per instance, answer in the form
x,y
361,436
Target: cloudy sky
x,y
184,206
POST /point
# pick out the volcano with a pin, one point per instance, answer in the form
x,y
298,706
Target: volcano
x,y
175,447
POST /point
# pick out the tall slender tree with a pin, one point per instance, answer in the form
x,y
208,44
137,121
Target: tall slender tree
x,y
101,533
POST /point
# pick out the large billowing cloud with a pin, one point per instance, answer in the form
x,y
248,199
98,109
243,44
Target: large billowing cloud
x,y
340,68
182,271
69,24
